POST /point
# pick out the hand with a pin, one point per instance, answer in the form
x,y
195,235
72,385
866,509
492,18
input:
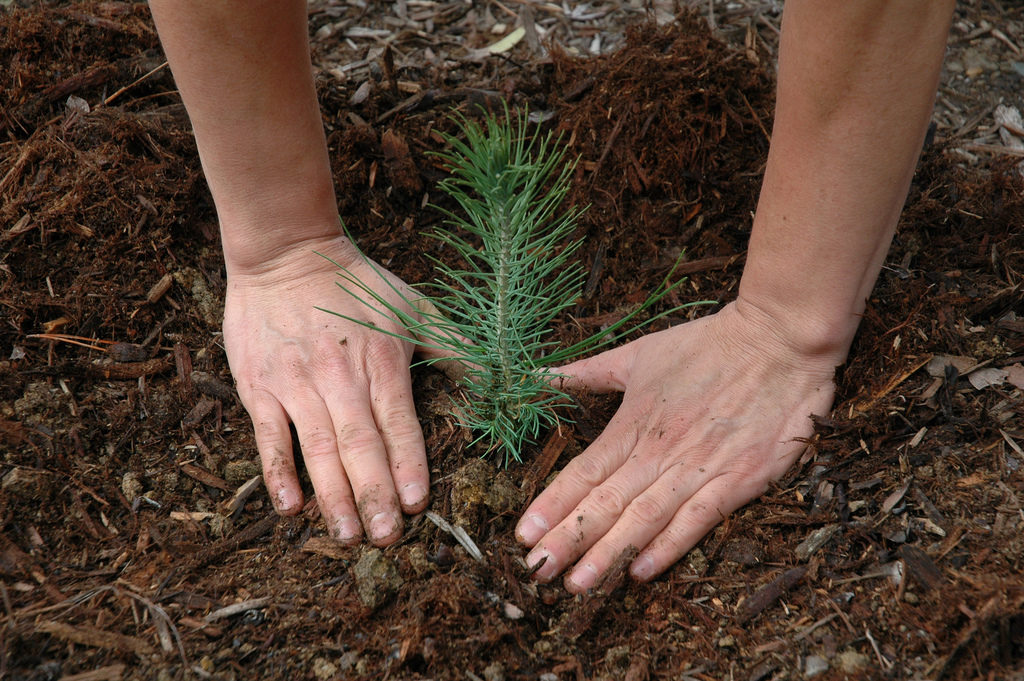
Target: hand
x,y
711,413
346,388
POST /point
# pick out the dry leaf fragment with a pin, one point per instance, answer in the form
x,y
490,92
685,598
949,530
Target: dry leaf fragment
x,y
894,498
1015,375
984,378
937,365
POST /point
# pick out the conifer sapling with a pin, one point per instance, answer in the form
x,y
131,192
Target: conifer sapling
x,y
493,314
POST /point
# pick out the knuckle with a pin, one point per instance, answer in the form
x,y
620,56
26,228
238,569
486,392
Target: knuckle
x,y
272,435
318,443
588,469
358,439
647,509
607,501
383,354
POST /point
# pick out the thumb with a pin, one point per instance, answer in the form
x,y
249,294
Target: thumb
x,y
606,372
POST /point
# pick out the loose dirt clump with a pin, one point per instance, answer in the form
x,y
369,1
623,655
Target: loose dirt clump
x,y
128,523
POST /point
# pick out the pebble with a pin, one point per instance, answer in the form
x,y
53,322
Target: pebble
x,y
513,611
376,578
132,486
25,483
815,665
237,472
323,669
494,672
852,662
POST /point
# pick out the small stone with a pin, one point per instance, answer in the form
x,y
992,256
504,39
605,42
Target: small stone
x,y
513,611
503,496
206,664
348,660
419,561
323,669
237,472
25,483
132,486
852,662
911,597
697,561
548,676
727,641
36,399
815,665
470,487
377,578
494,672
617,657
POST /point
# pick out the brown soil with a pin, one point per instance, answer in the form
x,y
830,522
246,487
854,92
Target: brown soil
x,y
117,540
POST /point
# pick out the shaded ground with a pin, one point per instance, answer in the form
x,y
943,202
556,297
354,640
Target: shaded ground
x,y
895,550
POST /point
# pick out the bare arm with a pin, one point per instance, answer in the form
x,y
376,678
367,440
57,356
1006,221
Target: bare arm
x,y
712,409
856,87
244,73
243,68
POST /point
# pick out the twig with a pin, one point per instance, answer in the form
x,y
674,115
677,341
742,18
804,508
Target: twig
x,y
138,80
886,664
237,609
460,535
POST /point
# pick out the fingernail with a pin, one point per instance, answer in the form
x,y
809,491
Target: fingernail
x,y
531,529
287,500
544,572
346,530
412,494
583,577
382,525
642,568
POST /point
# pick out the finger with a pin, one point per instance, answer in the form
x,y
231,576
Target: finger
x,y
274,443
579,478
395,416
365,459
605,372
638,523
707,508
320,452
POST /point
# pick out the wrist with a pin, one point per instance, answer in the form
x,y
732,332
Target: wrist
x,y
278,249
803,330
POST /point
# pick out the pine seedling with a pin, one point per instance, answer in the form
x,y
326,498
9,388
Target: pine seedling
x,y
493,313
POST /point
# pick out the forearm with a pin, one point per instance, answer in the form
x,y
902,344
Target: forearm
x,y
856,87
244,73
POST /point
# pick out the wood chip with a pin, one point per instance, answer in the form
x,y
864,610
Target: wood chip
x,y
210,385
815,540
237,609
92,637
327,547
764,597
159,288
241,495
112,672
204,476
920,567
